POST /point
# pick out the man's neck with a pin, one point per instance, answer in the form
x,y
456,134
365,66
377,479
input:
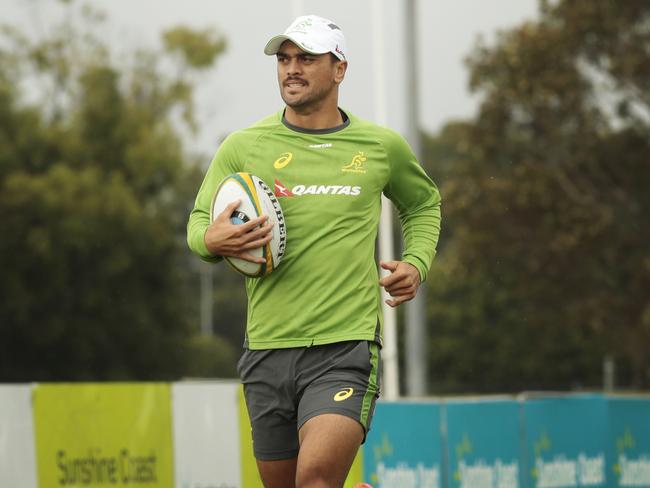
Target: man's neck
x,y
317,119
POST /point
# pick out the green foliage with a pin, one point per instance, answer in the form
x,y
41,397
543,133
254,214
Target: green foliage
x,y
229,305
198,48
209,357
94,194
544,267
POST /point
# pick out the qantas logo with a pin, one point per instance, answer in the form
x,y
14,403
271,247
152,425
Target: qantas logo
x,y
281,190
326,190
298,190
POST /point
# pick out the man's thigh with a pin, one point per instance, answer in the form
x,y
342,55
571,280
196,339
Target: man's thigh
x,y
285,388
267,377
328,445
343,381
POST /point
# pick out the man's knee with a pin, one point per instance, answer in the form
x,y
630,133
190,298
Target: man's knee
x,y
329,444
278,474
316,476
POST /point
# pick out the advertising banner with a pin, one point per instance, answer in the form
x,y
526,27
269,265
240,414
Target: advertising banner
x,y
206,434
404,447
17,455
483,444
250,475
566,441
103,435
629,441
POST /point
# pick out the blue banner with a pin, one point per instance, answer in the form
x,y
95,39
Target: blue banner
x,y
483,444
629,441
403,448
566,441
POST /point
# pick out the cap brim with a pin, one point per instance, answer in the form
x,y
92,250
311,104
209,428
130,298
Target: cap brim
x,y
273,46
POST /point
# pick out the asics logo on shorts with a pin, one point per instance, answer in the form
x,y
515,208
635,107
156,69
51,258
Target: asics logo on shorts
x,y
344,394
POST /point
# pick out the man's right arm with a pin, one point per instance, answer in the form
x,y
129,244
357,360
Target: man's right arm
x,y
223,238
199,220
211,240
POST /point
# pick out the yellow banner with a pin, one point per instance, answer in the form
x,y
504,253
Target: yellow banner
x,y
249,475
103,435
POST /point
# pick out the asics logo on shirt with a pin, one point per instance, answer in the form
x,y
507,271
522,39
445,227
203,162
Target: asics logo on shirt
x,y
283,160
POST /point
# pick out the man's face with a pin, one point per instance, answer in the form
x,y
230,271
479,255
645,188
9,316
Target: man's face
x,y
306,80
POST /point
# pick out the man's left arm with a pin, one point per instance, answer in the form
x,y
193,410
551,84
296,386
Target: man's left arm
x,y
417,200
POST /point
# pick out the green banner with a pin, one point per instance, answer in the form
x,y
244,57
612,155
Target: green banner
x,y
103,435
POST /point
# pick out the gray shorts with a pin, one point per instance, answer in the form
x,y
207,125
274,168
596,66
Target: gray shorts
x,y
286,387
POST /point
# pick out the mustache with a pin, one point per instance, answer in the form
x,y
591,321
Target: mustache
x,y
293,80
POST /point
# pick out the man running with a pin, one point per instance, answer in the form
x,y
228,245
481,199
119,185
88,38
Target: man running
x,y
311,363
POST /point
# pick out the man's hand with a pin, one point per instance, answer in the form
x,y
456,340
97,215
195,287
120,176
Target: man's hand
x,y
223,238
402,283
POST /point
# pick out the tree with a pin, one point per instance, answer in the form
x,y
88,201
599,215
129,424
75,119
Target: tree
x,y
94,194
544,268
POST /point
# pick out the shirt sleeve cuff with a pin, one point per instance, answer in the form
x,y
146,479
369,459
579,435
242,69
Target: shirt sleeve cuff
x,y
419,265
204,254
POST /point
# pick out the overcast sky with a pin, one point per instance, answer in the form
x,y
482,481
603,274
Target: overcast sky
x,y
243,88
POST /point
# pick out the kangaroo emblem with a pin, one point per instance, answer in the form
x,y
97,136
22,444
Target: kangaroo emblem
x,y
356,165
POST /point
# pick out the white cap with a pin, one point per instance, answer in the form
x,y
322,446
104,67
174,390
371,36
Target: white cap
x,y
312,34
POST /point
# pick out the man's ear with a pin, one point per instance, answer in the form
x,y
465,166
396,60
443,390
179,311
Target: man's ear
x,y
341,68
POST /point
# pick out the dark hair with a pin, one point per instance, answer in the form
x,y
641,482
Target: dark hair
x,y
334,57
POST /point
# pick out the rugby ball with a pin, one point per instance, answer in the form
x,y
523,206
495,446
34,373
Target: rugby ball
x,y
256,199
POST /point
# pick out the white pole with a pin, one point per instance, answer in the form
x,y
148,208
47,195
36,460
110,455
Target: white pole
x,y
386,248
415,329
